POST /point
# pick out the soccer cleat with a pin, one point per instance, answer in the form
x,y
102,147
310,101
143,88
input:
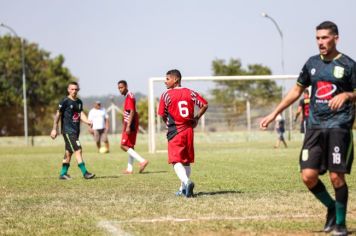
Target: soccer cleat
x,y
339,230
330,220
88,175
127,172
180,193
143,166
65,177
189,189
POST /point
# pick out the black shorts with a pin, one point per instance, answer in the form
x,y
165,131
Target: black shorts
x,y
327,149
72,143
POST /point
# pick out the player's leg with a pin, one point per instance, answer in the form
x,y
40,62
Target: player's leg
x,y
97,138
105,140
312,164
189,145
66,159
128,142
77,150
340,161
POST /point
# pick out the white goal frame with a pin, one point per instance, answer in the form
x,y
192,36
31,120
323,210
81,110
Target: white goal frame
x,y
151,99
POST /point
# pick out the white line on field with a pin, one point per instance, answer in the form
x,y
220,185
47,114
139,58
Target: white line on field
x,y
172,219
113,228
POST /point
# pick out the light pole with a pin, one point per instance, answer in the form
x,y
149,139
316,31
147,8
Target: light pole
x,y
23,80
282,64
280,34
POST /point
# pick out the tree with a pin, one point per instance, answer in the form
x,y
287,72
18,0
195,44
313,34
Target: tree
x,y
142,110
233,94
46,81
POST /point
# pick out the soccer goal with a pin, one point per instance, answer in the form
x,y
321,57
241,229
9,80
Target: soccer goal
x,y
236,104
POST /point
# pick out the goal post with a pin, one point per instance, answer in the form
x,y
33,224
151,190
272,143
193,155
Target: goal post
x,y
152,111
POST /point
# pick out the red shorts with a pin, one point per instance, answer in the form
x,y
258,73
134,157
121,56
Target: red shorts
x,y
181,147
129,140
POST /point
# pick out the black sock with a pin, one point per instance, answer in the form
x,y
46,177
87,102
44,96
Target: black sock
x,y
341,195
322,195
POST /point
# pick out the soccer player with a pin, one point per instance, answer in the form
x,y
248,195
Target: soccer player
x,y
70,112
176,107
303,109
130,129
100,119
280,123
328,143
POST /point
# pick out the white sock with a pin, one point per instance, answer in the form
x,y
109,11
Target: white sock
x,y
188,170
130,163
181,173
135,155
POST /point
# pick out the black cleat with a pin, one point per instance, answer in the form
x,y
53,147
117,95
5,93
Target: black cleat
x,y
65,177
330,220
189,189
88,175
339,230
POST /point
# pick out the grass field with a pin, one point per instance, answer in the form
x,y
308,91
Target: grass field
x,y
242,188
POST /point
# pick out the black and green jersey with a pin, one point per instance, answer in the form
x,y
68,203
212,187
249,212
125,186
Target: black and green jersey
x,y
328,79
70,115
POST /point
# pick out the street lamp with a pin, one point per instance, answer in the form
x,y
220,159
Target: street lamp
x,y
280,34
23,80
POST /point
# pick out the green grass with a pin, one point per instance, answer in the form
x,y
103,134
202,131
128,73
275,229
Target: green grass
x,y
242,188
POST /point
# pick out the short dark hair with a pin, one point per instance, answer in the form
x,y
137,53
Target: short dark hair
x,y
306,91
176,73
122,82
73,83
328,25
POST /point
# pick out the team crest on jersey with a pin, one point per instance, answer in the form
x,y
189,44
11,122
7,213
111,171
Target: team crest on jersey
x,y
312,71
339,72
71,106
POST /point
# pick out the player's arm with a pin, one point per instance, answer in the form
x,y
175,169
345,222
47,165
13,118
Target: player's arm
x,y
299,110
54,131
129,121
199,114
291,97
84,118
339,100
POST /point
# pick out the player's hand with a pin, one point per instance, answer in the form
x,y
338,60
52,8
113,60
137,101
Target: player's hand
x,y
266,121
337,101
128,130
53,133
195,122
90,124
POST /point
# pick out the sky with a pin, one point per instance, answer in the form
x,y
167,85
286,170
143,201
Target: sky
x,y
110,40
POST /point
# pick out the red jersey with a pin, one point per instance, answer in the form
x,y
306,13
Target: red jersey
x,y
130,105
177,106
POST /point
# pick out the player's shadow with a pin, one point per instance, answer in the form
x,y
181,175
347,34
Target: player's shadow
x,y
216,193
349,231
107,177
153,172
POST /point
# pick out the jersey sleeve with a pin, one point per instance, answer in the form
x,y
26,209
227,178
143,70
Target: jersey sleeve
x,y
353,76
90,115
304,77
130,103
162,106
198,99
62,105
105,114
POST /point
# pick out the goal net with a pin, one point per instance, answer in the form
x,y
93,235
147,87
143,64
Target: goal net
x,y
236,105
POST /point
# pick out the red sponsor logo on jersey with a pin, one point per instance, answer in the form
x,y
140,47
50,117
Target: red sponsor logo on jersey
x,y
325,90
76,117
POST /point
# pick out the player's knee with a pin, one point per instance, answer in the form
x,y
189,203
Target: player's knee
x,y
309,180
337,179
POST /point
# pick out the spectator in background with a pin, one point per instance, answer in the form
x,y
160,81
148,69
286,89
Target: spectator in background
x,y
100,119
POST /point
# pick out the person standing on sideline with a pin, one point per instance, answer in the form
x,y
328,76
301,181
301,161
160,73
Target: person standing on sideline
x,y
280,124
328,143
130,129
176,107
100,119
303,109
70,112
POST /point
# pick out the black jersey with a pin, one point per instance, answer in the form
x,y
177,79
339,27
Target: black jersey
x,y
328,79
70,115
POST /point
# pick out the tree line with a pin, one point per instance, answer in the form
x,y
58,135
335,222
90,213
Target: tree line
x,y
47,78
